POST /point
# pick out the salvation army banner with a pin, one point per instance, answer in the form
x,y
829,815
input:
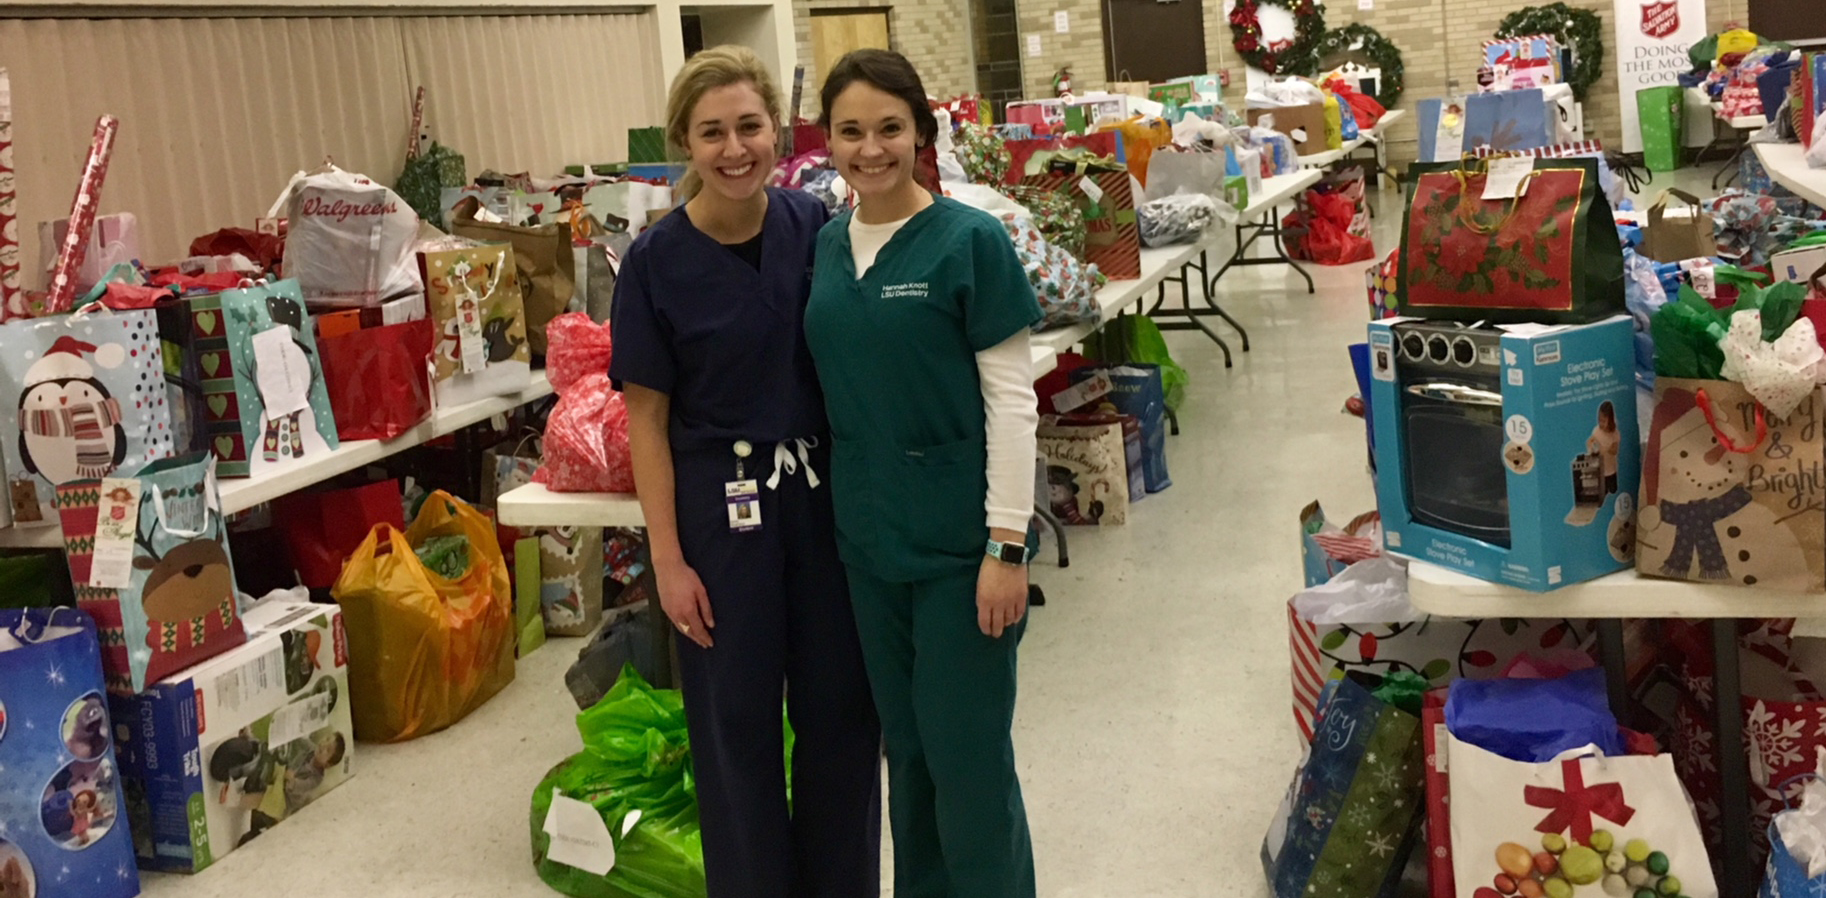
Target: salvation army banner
x,y
1652,41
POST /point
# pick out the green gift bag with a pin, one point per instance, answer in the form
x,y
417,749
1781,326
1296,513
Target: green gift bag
x,y
1662,114
1137,339
647,145
422,182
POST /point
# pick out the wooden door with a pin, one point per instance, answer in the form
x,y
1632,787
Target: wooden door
x,y
838,32
1153,40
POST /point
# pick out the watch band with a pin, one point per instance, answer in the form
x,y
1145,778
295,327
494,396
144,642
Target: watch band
x,y
1007,553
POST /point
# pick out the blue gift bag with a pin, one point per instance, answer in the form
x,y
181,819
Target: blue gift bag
x,y
1783,876
1138,392
63,817
1508,120
1534,720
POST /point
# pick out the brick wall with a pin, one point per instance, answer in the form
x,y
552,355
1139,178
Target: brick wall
x,y
1081,48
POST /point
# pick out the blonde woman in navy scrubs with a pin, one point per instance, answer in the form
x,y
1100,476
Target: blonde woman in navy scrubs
x,y
919,323
731,448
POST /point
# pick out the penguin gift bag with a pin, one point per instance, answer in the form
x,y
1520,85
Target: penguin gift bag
x,y
63,820
87,398
473,294
267,403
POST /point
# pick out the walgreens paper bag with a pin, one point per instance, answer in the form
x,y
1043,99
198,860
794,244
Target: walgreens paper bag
x,y
1597,824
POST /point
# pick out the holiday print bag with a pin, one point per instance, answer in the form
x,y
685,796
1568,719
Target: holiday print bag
x,y
267,404
1549,256
1351,816
89,396
1112,234
473,296
1728,494
1584,820
63,817
149,561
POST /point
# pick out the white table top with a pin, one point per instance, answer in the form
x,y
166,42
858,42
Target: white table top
x,y
1045,359
533,505
1787,165
240,494
1626,594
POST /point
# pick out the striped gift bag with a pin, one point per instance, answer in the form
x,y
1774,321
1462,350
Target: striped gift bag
x,y
1112,239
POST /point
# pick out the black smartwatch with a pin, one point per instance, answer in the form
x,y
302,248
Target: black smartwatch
x,y
1007,553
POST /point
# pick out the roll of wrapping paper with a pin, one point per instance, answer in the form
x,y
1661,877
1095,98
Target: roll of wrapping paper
x,y
82,216
418,124
11,300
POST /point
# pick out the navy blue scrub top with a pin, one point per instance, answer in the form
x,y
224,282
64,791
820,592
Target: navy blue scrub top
x,y
693,320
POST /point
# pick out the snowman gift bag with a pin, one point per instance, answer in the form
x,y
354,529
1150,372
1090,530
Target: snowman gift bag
x,y
267,405
473,294
1732,492
87,398
63,816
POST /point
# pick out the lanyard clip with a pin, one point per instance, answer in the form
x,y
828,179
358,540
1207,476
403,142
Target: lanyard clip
x,y
743,449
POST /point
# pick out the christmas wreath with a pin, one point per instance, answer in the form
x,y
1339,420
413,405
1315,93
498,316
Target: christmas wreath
x,y
1282,57
1358,37
1579,29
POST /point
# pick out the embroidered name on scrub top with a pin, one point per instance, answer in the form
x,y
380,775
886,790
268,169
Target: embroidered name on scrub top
x,y
918,290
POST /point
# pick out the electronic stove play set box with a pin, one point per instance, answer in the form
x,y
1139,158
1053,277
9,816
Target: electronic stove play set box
x,y
1507,452
223,751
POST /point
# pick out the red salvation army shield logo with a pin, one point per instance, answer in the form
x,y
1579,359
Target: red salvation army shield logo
x,y
1661,20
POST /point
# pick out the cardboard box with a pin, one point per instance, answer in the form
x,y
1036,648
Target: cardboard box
x,y
1204,89
1799,266
219,753
1554,382
1304,124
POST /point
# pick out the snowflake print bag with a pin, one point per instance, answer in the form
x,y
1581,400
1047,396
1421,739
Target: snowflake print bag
x,y
1581,824
1348,822
1548,256
63,817
85,397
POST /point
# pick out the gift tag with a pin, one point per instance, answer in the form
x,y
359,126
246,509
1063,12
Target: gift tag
x,y
472,347
116,526
1508,177
1091,189
282,371
1703,278
1082,392
580,838
744,498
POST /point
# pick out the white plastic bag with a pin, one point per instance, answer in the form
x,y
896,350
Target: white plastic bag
x,y
1374,590
113,241
349,240
1816,154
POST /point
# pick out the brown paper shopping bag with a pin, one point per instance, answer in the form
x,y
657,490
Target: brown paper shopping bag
x,y
1731,493
1678,239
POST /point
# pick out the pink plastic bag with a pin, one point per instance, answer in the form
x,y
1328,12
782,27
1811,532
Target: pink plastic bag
x,y
586,438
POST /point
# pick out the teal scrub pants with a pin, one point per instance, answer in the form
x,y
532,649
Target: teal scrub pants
x,y
946,693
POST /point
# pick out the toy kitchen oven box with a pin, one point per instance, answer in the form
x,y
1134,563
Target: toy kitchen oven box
x,y
219,753
1508,452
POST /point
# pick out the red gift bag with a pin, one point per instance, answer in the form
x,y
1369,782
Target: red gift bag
x,y
377,379
1112,235
323,528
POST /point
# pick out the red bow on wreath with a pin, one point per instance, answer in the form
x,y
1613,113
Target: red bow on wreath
x,y
1573,808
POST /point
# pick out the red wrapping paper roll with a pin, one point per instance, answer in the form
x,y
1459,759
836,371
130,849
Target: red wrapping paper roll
x,y
82,216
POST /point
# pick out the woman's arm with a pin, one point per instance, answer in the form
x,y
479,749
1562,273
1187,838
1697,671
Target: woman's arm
x,y
1010,416
681,593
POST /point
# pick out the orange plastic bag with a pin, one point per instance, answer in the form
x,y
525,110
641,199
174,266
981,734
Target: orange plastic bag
x,y
424,651
1141,136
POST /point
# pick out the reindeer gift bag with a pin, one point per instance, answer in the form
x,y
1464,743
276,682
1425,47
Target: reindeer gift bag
x,y
473,294
149,559
267,405
87,400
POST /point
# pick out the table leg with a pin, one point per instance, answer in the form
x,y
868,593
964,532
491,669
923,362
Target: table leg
x,y
1268,227
1281,248
1730,166
1733,767
1211,300
1057,527
1191,315
1616,667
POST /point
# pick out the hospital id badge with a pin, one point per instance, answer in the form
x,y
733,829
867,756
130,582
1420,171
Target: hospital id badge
x,y
744,497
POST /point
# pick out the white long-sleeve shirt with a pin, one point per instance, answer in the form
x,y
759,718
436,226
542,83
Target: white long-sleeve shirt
x,y
1010,408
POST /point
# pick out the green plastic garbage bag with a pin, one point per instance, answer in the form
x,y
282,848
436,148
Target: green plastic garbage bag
x,y
1135,338
636,757
1662,113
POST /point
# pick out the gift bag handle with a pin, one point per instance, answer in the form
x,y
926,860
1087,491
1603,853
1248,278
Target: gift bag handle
x,y
211,501
1762,425
1465,211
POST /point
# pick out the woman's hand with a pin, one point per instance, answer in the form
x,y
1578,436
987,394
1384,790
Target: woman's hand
x,y
1001,596
686,603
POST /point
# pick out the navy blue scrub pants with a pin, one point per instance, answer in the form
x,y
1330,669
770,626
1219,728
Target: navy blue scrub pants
x,y
784,627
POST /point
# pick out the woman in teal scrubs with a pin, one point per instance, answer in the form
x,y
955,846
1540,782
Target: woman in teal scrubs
x,y
918,323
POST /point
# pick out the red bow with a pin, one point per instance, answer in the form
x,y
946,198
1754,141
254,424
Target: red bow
x,y
1574,807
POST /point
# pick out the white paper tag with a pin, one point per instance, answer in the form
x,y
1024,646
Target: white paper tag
x,y
472,346
299,719
1091,189
116,525
580,838
1705,281
281,371
1441,738
1506,177
1082,392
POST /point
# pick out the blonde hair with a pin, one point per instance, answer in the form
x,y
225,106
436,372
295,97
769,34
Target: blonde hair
x,y
705,72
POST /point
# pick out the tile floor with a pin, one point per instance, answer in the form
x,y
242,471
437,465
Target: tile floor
x,y
1153,730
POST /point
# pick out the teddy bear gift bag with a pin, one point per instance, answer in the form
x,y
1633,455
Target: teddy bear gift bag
x,y
63,820
473,295
1730,492
267,405
149,561
85,398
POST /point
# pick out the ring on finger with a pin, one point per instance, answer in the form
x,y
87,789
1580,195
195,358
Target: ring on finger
x,y
684,628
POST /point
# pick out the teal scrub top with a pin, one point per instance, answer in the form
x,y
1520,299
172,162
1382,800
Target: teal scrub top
x,y
896,352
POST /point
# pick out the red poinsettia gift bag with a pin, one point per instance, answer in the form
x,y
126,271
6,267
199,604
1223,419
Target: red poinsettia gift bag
x,y
1550,255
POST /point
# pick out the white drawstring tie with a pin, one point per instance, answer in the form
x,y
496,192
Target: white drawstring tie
x,y
785,462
